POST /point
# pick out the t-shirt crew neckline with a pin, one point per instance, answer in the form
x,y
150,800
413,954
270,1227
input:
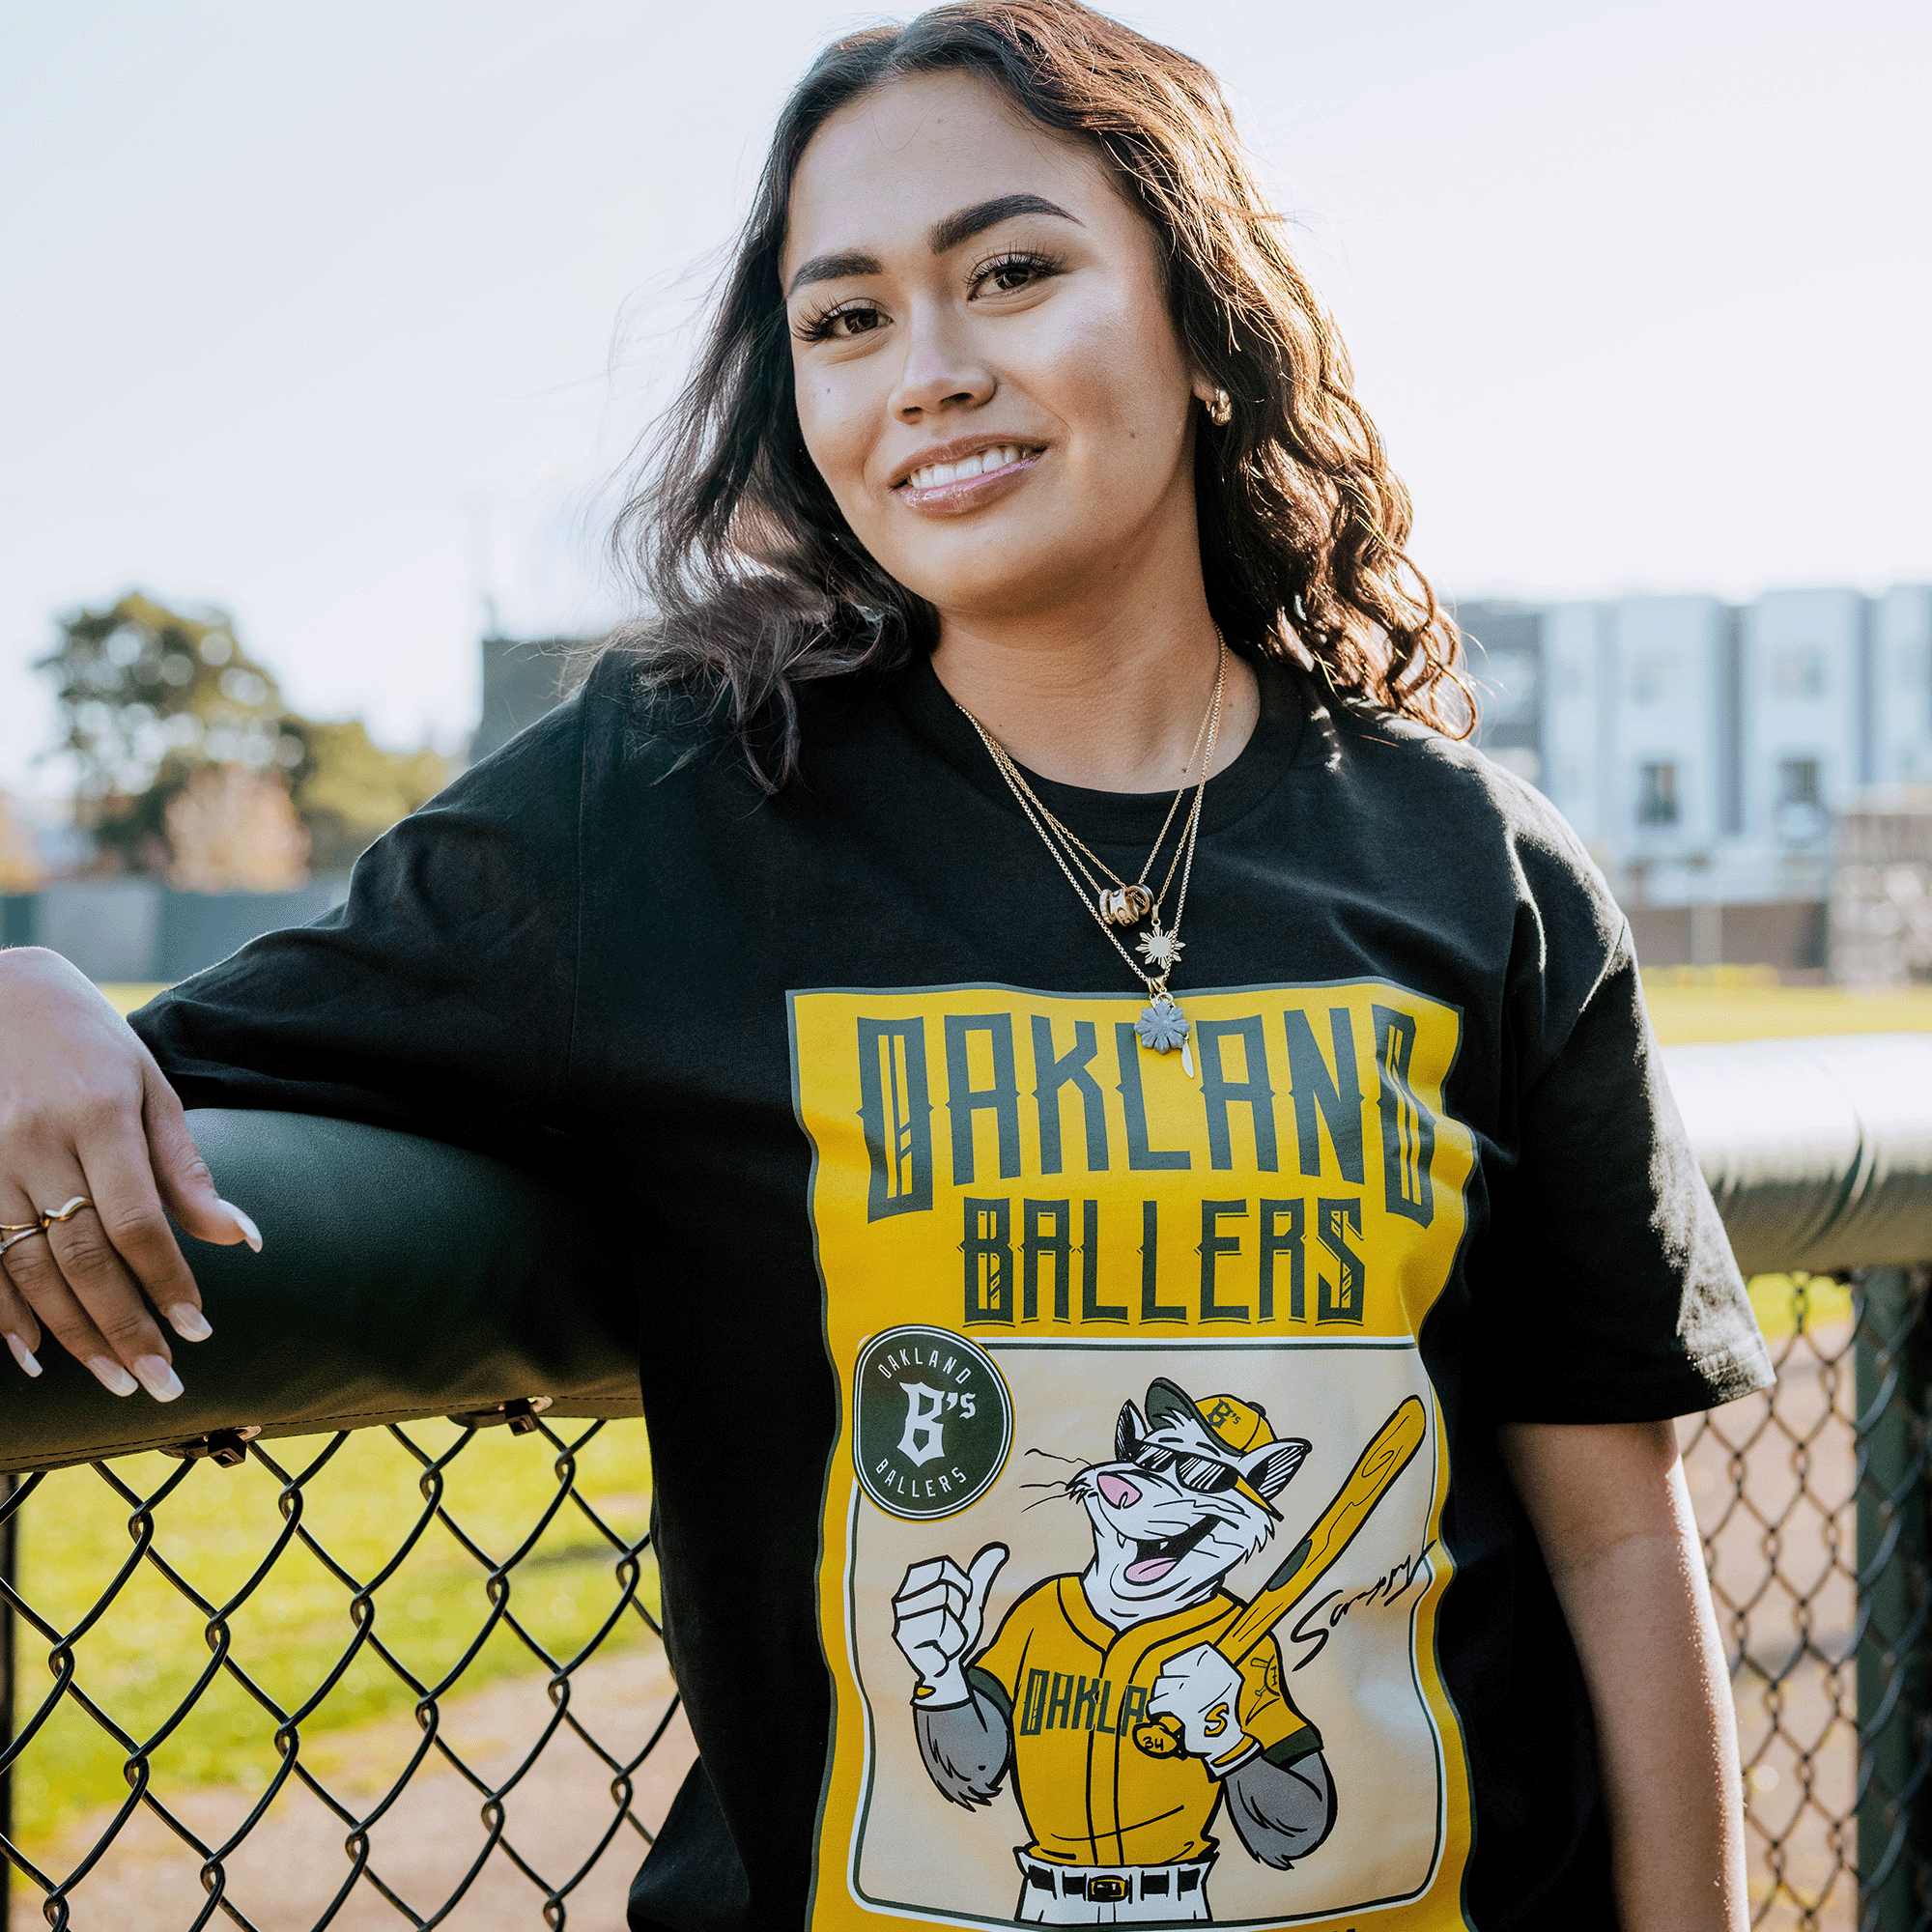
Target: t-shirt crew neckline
x,y
1113,817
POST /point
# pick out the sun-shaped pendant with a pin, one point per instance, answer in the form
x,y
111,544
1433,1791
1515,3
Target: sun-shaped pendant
x,y
1160,948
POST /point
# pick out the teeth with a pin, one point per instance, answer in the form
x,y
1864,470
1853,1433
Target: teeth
x,y
934,474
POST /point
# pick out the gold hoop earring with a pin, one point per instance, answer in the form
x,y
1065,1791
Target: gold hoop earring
x,y
1220,409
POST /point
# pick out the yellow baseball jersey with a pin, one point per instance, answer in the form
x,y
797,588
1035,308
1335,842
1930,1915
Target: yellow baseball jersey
x,y
1074,1689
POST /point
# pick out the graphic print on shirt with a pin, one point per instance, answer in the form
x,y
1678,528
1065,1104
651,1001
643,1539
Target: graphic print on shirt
x,y
1130,1547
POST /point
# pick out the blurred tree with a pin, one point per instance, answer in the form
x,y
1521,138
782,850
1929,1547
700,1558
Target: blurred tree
x,y
20,868
150,698
350,791
230,830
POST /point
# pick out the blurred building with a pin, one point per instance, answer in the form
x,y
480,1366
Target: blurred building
x,y
1881,891
521,679
1702,749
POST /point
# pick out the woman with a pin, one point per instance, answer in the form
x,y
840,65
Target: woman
x,y
1164,1256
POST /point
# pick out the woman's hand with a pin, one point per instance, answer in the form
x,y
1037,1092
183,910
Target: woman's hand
x,y
85,1113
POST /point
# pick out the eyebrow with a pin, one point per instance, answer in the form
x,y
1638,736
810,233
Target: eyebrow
x,y
833,267
947,234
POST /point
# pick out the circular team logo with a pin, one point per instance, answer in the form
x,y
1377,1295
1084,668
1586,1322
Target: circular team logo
x,y
932,1422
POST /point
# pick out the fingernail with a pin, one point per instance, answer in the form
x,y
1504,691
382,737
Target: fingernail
x,y
111,1376
188,1322
250,1233
23,1354
157,1378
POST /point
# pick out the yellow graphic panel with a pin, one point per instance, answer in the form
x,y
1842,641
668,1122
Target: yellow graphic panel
x,y
1131,1539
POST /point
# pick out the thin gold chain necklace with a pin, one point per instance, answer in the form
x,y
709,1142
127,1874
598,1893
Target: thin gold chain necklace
x,y
1162,1026
1122,904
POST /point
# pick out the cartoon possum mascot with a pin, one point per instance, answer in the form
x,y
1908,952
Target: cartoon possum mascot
x,y
1083,1663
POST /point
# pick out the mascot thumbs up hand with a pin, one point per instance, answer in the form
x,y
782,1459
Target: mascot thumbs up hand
x,y
937,1617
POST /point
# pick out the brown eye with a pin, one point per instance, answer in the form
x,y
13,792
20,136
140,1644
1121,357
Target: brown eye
x,y
1011,273
842,324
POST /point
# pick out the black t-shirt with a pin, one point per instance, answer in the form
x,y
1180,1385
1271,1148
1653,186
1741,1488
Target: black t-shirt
x,y
933,1260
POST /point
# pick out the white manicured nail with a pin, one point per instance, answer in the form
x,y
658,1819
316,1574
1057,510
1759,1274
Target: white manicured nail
x,y
111,1376
250,1233
23,1354
188,1322
157,1378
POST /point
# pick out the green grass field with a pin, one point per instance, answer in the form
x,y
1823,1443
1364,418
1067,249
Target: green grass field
x,y
215,1526
1781,1301
1688,1004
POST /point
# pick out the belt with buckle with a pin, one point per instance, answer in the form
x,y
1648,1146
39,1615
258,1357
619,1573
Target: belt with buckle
x,y
1116,1888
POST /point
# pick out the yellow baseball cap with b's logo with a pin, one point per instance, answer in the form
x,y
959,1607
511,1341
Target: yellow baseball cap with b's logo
x,y
1242,1426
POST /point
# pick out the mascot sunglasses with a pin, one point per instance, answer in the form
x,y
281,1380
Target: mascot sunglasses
x,y
1205,1475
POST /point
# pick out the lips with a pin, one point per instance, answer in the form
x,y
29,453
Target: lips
x,y
959,473
1002,456
1158,1555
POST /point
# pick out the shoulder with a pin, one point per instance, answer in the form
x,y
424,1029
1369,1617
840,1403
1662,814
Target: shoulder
x,y
1042,1604
645,718
1035,1616
631,712
1458,806
1438,775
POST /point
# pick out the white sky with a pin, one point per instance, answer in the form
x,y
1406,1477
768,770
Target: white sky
x,y
332,311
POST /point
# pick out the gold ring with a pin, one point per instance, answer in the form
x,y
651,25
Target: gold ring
x,y
17,1227
65,1211
14,1234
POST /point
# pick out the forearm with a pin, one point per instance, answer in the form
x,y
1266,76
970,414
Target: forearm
x,y
1625,1559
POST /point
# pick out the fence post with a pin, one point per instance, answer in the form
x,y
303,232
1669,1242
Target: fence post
x,y
1894,1671
10,1522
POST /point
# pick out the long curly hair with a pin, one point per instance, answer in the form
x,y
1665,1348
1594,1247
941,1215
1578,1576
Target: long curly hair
x,y
756,581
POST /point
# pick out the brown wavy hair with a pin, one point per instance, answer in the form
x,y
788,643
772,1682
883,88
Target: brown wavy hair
x,y
755,579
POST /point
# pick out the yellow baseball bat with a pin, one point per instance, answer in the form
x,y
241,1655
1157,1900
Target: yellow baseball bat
x,y
1388,1454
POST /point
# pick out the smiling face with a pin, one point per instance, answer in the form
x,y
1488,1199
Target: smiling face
x,y
1175,1510
988,378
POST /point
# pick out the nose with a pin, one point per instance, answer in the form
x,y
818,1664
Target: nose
x,y
940,372
1117,1491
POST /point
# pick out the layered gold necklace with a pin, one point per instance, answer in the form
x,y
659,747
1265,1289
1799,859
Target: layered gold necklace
x,y
1162,1026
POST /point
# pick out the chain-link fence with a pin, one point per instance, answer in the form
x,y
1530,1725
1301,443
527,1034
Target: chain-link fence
x,y
404,1676
1812,1504
412,1677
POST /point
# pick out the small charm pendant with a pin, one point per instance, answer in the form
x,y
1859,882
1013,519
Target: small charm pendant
x,y
1161,949
1162,1026
1126,906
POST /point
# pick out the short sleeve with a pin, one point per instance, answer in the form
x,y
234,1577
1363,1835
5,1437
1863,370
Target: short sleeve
x,y
1608,1291
1268,1712
998,1666
440,998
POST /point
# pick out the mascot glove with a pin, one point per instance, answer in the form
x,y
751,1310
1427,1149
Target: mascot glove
x,y
1201,1692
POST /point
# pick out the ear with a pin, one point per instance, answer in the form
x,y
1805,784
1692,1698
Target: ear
x,y
1129,1433
1168,1403
1268,1469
